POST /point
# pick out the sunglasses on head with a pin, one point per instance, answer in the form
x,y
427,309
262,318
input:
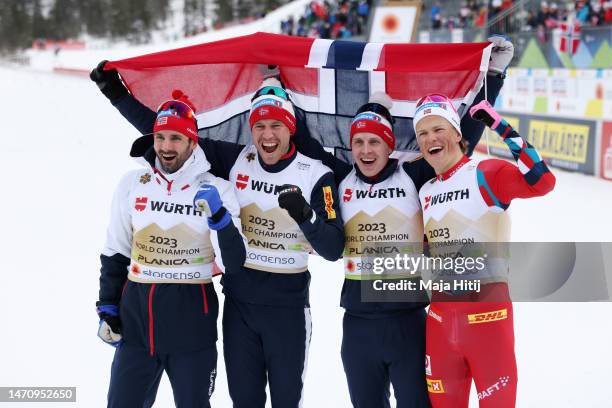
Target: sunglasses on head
x,y
377,108
271,90
436,98
176,108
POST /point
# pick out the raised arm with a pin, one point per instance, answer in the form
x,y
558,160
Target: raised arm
x,y
503,181
501,55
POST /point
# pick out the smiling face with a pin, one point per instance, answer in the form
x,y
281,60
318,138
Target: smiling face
x,y
172,149
370,153
439,142
272,140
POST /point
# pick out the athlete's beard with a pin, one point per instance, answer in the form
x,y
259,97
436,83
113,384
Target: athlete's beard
x,y
176,163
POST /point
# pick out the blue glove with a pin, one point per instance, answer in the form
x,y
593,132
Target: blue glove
x,y
208,201
110,325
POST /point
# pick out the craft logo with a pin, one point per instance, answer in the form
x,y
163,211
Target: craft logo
x,y
435,386
501,383
329,203
446,197
434,315
348,194
145,178
141,203
427,364
250,157
241,181
488,316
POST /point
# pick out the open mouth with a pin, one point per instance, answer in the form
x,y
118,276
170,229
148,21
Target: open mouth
x,y
168,157
434,150
269,147
367,162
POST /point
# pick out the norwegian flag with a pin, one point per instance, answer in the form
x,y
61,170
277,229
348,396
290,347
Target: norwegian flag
x,y
326,80
570,37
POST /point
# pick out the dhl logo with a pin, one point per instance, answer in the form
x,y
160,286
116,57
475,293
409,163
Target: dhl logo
x,y
435,386
329,202
488,316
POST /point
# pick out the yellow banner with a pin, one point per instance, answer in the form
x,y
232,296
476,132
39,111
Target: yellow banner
x,y
558,140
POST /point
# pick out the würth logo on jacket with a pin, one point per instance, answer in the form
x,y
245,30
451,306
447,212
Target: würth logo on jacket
x,y
449,196
242,181
385,193
141,203
348,194
171,208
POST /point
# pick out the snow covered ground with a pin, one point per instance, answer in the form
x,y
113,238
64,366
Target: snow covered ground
x,y
64,148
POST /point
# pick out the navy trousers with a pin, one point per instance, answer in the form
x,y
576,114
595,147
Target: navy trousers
x,y
135,376
377,352
265,343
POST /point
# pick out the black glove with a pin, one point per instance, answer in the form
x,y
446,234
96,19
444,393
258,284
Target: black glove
x,y
290,198
108,81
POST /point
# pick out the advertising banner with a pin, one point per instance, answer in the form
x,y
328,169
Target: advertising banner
x,y
606,151
565,143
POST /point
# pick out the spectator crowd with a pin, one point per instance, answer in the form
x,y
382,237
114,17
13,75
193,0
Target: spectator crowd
x,y
330,19
473,14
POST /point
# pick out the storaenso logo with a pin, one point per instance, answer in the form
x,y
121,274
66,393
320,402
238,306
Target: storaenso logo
x,y
455,195
391,192
267,245
269,259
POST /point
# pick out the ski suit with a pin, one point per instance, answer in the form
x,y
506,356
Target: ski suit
x,y
266,317
383,342
471,335
157,267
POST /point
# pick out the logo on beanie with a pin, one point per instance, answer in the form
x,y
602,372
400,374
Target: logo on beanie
x,y
367,116
263,112
162,121
167,112
266,102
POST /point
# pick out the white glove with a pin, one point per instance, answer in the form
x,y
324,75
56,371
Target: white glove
x,y
501,55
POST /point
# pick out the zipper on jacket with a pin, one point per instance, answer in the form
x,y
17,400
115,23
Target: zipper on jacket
x,y
151,340
204,298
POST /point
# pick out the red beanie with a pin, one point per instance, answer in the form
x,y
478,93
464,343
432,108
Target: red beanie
x,y
368,121
177,114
